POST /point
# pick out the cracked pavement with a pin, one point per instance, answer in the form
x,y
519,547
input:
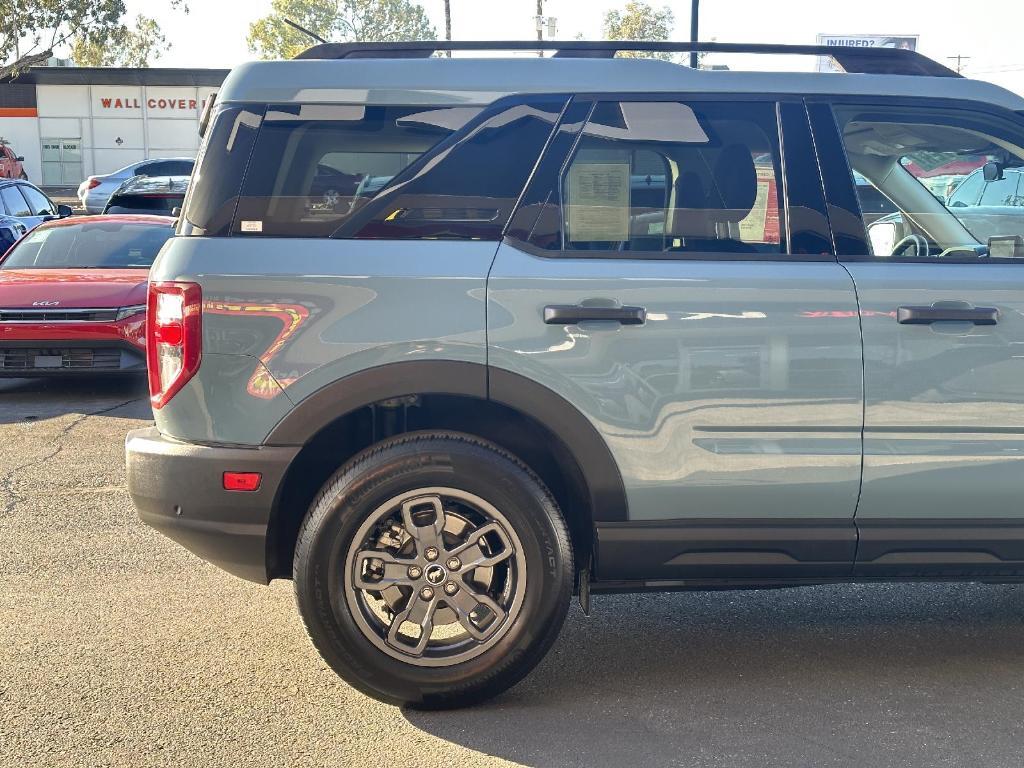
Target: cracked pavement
x,y
117,647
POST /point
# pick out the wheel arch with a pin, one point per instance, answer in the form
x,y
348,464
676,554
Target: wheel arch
x,y
523,416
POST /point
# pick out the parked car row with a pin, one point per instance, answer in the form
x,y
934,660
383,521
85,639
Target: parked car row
x,y
95,192
73,290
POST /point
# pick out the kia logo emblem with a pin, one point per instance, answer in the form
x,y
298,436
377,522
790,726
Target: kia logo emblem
x,y
45,303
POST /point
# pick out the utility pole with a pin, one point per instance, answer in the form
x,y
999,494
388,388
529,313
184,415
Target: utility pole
x,y
448,24
540,24
550,21
694,58
959,61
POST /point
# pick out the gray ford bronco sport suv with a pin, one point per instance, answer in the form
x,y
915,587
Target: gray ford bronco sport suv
x,y
447,340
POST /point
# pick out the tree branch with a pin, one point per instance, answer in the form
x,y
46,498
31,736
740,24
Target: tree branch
x,y
30,60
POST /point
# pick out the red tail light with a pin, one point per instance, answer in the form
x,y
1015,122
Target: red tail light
x,y
174,337
93,183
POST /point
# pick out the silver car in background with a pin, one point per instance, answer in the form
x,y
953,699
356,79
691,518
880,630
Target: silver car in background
x,y
95,191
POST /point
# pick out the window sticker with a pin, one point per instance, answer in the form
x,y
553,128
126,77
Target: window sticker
x,y
252,226
752,226
598,202
762,224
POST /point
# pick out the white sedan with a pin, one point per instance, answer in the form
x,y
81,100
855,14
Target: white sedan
x,y
95,191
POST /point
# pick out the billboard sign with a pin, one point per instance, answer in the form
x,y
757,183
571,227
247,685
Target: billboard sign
x,y
909,42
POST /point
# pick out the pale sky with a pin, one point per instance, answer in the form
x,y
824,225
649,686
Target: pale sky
x,y
213,34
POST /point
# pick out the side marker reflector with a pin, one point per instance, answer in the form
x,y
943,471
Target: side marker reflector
x,y
242,481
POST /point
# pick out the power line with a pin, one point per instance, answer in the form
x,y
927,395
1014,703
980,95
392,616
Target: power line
x,y
1007,68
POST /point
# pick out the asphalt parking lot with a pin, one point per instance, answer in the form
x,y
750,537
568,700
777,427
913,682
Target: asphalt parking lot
x,y
120,648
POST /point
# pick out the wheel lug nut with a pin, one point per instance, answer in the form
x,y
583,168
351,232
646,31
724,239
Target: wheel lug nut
x,y
431,553
415,571
451,588
454,564
427,593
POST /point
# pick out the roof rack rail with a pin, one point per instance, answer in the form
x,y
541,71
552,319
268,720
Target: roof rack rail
x,y
876,61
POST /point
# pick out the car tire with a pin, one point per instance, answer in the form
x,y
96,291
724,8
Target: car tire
x,y
477,502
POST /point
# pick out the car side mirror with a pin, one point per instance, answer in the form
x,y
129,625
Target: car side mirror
x,y
20,158
992,171
63,211
176,211
882,235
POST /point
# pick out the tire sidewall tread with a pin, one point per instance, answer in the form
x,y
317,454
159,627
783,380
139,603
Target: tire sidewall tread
x,y
372,476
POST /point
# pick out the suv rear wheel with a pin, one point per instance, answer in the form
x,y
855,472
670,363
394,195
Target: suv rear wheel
x,y
434,569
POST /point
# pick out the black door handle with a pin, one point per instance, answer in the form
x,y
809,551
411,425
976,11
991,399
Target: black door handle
x,y
570,314
926,315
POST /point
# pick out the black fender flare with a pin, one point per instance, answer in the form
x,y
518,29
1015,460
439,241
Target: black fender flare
x,y
443,377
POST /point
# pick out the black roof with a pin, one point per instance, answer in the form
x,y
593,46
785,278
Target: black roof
x,y
119,76
9,182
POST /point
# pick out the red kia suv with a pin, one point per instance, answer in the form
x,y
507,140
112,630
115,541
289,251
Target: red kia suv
x,y
73,295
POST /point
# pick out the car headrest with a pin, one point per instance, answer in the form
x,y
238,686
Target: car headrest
x,y
735,182
690,192
691,217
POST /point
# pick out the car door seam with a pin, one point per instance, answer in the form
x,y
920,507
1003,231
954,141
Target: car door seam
x,y
863,415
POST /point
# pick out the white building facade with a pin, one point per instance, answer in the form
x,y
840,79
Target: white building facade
x,y
69,123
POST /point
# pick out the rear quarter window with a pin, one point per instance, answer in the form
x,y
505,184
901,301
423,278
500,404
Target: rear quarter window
x,y
368,171
213,192
315,167
466,188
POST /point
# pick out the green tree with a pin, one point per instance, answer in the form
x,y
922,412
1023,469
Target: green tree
x,y
30,30
385,20
640,21
122,47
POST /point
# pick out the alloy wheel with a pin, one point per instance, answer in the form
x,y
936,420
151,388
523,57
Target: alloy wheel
x,y
435,576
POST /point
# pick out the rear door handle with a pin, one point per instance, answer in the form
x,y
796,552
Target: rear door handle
x,y
570,314
927,315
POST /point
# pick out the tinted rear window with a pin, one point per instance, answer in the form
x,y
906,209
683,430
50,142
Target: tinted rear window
x,y
167,168
155,204
213,193
466,188
367,171
97,245
315,166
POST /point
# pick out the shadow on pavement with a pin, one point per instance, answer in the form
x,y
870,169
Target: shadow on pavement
x,y
27,400
928,674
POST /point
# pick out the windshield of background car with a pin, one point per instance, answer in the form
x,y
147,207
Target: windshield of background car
x,y
96,245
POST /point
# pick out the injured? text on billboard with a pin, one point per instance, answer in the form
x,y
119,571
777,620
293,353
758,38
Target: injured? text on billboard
x,y
825,64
